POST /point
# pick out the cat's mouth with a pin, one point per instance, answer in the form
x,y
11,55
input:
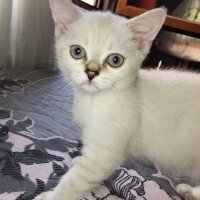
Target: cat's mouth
x,y
89,86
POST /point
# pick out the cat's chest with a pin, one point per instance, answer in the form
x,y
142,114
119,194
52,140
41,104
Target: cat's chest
x,y
88,108
82,109
103,108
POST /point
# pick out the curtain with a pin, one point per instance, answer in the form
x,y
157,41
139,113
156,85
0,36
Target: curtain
x,y
26,33
5,20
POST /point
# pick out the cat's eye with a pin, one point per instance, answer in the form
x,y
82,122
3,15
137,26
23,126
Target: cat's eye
x,y
115,60
77,52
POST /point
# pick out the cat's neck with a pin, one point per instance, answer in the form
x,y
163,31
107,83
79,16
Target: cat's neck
x,y
115,91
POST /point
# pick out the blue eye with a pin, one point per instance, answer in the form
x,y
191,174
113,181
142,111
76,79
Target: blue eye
x,y
77,52
115,60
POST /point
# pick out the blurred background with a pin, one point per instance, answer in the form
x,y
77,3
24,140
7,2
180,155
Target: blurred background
x,y
27,31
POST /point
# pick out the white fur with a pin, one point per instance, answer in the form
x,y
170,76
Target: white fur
x,y
150,114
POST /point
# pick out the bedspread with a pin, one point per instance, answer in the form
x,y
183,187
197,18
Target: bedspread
x,y
39,140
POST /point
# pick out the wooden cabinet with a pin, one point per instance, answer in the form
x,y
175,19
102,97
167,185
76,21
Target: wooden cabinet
x,y
172,23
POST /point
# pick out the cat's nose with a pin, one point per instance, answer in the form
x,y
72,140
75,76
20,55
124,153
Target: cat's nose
x,y
91,74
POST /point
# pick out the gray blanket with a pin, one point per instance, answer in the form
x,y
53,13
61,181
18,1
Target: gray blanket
x,y
39,140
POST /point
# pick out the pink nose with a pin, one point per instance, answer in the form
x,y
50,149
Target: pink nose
x,y
91,74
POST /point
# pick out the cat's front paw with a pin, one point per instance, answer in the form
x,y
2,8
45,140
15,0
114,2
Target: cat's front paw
x,y
187,192
45,196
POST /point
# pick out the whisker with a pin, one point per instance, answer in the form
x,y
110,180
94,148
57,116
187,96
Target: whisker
x,y
40,70
58,94
67,85
36,71
69,80
58,86
46,78
57,89
54,84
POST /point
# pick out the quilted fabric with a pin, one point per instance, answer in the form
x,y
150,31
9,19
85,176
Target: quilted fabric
x,y
39,141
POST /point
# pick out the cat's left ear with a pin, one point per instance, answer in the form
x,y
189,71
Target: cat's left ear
x,y
145,27
64,13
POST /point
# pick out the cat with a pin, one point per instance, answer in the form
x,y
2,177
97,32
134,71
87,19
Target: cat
x,y
121,108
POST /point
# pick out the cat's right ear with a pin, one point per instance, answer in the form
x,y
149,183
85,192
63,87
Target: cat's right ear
x,y
64,13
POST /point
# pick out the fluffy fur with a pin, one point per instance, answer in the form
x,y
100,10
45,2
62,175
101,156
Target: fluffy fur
x,y
150,114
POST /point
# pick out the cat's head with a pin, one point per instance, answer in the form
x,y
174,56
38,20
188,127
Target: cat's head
x,y
100,50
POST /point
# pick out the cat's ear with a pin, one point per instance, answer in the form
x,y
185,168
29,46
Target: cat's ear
x,y
64,13
145,27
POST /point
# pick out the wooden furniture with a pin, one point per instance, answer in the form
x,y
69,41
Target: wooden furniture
x,y
174,24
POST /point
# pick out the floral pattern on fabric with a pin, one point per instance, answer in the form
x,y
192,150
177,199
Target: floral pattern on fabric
x,y
10,85
33,165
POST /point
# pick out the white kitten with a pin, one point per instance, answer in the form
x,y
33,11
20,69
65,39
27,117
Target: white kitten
x,y
121,109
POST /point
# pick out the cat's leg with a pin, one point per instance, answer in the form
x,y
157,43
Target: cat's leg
x,y
98,161
188,192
